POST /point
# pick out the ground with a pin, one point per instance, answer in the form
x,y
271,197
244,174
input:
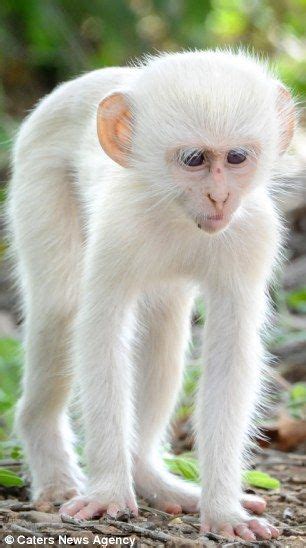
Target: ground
x,y
286,509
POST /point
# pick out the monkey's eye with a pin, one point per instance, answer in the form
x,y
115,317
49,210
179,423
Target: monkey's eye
x,y
236,157
193,159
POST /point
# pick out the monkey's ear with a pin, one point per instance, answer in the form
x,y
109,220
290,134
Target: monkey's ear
x,y
114,127
287,113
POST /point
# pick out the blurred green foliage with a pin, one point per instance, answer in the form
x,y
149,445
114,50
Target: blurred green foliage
x,y
45,42
297,401
42,43
296,300
10,371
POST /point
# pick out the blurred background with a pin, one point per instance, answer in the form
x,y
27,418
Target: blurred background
x,y
45,42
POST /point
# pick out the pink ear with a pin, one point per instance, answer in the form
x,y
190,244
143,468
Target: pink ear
x,y
287,113
114,127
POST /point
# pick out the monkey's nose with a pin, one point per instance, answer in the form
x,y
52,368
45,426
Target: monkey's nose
x,y
218,201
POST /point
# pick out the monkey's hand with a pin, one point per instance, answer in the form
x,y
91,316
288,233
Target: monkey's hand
x,y
95,505
236,523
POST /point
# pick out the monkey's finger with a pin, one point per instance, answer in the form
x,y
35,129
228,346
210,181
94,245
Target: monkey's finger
x,y
226,530
274,531
170,507
244,532
113,510
71,507
260,529
205,527
90,510
133,508
254,503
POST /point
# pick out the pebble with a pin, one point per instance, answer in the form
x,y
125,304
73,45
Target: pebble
x,y
288,513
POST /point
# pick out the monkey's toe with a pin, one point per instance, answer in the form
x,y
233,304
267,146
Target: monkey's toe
x,y
169,507
254,503
85,508
165,491
249,530
263,529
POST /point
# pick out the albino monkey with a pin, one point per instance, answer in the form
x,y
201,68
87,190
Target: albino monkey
x,y
112,244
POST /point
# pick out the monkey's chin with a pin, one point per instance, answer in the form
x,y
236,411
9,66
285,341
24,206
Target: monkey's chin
x,y
212,226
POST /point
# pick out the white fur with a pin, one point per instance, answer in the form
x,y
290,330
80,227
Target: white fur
x,y
111,258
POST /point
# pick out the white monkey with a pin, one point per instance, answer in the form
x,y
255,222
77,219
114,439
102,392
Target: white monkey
x,y
112,244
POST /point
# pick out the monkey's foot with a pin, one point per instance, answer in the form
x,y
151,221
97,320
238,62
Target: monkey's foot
x,y
61,488
240,524
165,491
248,530
84,508
54,493
171,494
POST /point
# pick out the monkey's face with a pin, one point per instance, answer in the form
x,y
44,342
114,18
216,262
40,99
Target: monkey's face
x,y
213,182
200,129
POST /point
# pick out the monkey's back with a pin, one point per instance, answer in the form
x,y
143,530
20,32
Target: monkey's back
x,y
44,210
54,130
49,155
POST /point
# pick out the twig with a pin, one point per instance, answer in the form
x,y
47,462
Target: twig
x,y
288,531
15,528
155,511
154,535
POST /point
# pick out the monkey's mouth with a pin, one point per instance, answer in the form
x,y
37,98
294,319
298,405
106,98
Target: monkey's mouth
x,y
218,217
212,223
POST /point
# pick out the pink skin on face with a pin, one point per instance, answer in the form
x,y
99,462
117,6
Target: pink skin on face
x,y
212,191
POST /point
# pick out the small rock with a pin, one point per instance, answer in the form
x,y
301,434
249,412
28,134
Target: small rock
x,y
175,521
288,513
148,525
299,479
191,519
302,495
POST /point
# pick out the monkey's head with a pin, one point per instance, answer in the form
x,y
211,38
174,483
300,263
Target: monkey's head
x,y
203,129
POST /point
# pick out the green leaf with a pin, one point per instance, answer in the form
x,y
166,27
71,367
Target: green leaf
x,y
260,479
9,479
184,465
187,466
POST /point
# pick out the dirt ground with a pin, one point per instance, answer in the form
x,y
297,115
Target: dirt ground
x,y
286,509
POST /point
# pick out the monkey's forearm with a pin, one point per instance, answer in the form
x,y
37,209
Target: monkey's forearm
x,y
227,399
105,379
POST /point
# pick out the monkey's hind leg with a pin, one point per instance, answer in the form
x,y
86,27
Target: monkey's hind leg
x,y
164,323
46,236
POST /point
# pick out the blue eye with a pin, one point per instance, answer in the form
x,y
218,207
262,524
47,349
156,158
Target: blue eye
x,y
236,157
194,159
